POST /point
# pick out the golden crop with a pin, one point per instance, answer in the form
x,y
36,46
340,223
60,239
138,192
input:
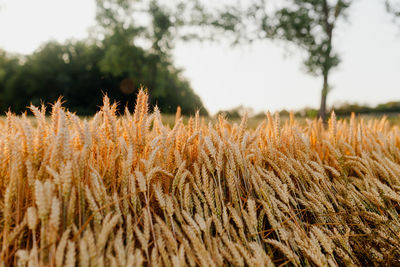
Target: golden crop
x,y
129,191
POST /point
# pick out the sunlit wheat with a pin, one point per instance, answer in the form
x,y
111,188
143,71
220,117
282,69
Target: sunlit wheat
x,y
130,191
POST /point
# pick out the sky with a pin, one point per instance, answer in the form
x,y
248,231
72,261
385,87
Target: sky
x,y
263,76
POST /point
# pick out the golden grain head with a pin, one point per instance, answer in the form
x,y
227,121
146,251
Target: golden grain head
x,y
124,191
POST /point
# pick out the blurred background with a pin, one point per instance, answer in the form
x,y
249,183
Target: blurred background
x,y
219,57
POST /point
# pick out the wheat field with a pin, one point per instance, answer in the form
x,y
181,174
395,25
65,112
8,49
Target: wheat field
x,y
129,191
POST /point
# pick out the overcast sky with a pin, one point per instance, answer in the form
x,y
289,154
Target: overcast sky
x,y
263,76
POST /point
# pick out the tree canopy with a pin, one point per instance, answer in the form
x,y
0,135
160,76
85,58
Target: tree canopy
x,y
307,24
75,71
129,48
393,7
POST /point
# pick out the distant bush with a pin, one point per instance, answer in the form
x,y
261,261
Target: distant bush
x,y
307,112
236,112
347,108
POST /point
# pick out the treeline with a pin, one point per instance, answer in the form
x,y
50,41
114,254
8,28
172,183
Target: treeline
x,y
346,109
129,47
341,110
76,71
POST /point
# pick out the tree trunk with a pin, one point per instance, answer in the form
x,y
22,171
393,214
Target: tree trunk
x,y
324,93
326,66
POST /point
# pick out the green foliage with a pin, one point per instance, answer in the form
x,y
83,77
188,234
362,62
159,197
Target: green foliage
x,y
393,7
130,49
388,108
307,113
146,21
76,71
126,23
307,24
391,109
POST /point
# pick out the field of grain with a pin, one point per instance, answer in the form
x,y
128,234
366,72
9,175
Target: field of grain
x,y
129,191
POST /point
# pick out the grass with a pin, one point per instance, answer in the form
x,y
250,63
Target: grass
x,y
129,190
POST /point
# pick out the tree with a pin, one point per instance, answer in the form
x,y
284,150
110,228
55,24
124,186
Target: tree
x,y
307,24
138,37
393,6
74,71
9,65
131,49
68,70
133,30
